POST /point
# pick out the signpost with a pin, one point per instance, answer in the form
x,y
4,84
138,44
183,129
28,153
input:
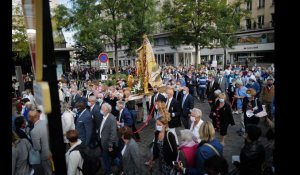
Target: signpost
x,y
103,58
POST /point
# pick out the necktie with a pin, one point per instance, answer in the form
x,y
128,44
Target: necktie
x,y
184,97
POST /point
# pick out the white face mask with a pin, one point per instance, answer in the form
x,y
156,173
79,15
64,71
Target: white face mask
x,y
184,92
193,119
159,128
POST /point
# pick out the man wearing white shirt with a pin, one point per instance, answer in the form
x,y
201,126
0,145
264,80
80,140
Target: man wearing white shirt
x,y
108,138
196,120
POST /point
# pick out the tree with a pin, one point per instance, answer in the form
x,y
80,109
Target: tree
x,y
140,18
190,22
227,20
116,22
82,19
20,45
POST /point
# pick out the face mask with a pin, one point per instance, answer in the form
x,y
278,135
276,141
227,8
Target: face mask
x,y
88,103
221,100
249,95
101,112
159,128
193,119
117,108
156,107
100,100
184,92
270,85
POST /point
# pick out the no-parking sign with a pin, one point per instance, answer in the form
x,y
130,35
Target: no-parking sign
x,y
103,57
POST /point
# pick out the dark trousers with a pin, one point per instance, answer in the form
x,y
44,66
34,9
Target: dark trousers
x,y
134,116
202,91
107,159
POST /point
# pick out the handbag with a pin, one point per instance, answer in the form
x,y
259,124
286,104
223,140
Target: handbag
x,y
34,157
263,113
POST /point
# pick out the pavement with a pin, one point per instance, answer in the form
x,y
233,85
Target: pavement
x,y
233,142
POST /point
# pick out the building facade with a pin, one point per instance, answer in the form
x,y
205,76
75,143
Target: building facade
x,y
254,42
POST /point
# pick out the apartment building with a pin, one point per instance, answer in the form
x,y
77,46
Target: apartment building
x,y
254,41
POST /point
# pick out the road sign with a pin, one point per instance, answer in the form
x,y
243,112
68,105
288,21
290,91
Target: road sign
x,y
103,65
103,57
42,95
103,77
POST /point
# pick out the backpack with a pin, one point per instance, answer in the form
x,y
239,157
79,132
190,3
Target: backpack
x,y
91,159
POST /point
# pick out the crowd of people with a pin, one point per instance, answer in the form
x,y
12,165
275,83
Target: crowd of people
x,y
100,117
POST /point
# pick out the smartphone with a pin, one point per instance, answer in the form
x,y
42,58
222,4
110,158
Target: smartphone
x,y
174,163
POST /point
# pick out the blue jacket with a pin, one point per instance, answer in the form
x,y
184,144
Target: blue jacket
x,y
84,126
202,154
126,118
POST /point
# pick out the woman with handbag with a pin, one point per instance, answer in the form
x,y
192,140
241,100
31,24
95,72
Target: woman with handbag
x,y
165,146
208,147
251,107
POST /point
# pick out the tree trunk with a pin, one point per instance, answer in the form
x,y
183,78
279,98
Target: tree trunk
x,y
224,60
197,56
116,55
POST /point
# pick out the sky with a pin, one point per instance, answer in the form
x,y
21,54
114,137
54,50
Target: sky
x,y
68,35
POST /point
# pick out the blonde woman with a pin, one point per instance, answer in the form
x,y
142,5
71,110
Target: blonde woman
x,y
208,147
164,147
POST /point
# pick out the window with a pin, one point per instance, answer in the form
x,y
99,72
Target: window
x,y
260,20
248,24
261,3
249,5
120,63
273,20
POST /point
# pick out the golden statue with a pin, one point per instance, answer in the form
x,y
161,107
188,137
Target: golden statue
x,y
147,69
130,82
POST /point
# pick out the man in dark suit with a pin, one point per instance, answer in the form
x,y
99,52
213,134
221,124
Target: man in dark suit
x,y
187,104
108,138
96,116
124,118
152,100
112,100
177,91
222,81
173,107
20,124
212,86
84,124
159,96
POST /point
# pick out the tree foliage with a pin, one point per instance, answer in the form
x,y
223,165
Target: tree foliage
x,y
19,36
190,22
116,22
228,19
